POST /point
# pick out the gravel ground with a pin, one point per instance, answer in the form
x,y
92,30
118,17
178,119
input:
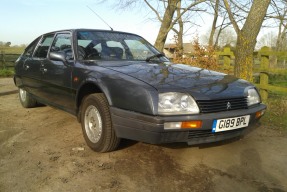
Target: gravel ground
x,y
42,149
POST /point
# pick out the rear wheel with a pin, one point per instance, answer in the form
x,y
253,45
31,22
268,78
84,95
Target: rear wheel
x,y
97,125
26,99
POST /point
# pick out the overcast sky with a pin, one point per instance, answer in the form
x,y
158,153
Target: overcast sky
x,y
24,20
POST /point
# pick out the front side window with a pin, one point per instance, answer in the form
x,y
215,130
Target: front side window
x,y
62,42
105,45
43,47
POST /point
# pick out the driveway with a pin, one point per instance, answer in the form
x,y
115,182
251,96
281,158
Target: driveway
x,y
42,149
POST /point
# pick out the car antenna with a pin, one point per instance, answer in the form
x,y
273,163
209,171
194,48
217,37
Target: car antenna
x,y
100,18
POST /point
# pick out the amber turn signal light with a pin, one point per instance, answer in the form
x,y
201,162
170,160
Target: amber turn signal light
x,y
191,124
259,114
183,125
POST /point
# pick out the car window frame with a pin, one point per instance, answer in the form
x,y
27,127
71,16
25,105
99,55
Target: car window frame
x,y
71,39
31,48
40,42
128,54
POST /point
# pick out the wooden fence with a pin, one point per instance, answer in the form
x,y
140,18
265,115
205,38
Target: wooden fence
x,y
262,66
7,60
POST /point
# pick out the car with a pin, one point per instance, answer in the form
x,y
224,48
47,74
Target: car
x,y
121,87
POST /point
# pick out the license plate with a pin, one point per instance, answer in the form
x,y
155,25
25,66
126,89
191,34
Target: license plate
x,y
230,123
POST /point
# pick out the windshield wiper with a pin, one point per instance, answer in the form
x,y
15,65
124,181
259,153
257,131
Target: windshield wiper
x,y
154,56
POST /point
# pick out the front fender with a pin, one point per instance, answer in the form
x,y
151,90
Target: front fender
x,y
122,91
130,94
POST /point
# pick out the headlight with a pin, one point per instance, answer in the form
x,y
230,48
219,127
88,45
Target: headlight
x,y
173,103
253,97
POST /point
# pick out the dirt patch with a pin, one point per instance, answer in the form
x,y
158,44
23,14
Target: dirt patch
x,y
42,149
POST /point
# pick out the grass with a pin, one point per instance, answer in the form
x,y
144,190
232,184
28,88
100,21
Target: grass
x,y
7,68
6,72
278,80
276,113
12,50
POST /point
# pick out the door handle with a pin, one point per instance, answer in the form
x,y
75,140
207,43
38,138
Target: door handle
x,y
44,70
26,67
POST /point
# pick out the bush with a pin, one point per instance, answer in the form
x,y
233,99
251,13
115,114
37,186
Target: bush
x,y
203,57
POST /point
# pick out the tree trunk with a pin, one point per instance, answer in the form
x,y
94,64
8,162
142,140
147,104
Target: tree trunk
x,y
180,31
213,27
244,58
246,39
281,37
165,25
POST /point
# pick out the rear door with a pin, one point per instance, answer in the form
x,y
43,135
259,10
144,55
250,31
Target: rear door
x,y
33,66
22,68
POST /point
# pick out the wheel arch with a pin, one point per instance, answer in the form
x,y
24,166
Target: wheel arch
x,y
88,88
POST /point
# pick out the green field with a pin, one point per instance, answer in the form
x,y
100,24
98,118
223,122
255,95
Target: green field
x,y
7,67
12,50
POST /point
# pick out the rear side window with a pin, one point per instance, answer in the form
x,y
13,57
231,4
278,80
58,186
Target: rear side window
x,y
30,49
43,47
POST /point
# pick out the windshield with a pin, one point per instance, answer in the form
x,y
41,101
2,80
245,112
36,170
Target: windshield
x,y
105,45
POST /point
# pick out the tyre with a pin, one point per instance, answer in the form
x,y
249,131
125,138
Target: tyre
x,y
97,125
26,99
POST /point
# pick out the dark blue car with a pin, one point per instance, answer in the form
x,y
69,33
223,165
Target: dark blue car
x,y
119,86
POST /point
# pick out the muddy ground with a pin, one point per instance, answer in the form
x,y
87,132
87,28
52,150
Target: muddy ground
x,y
42,149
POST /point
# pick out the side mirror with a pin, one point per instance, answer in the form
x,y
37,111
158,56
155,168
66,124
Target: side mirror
x,y
58,56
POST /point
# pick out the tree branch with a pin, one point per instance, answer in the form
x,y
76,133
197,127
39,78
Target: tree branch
x,y
185,10
154,10
234,23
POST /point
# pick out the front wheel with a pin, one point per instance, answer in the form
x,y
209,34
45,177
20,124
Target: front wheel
x,y
26,99
97,125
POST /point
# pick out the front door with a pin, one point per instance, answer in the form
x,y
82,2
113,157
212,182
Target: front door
x,y
57,74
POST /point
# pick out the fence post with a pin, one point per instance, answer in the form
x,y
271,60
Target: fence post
x,y
264,64
226,57
3,59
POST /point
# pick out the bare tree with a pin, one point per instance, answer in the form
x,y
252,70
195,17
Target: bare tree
x,y
246,36
213,27
168,20
215,35
278,16
217,10
268,39
227,37
164,11
179,32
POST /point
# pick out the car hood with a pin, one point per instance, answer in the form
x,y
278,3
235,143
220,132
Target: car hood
x,y
200,83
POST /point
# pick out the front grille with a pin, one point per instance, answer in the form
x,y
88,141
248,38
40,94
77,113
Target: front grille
x,y
209,133
211,106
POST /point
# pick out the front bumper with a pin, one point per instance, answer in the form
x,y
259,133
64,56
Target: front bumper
x,y
150,129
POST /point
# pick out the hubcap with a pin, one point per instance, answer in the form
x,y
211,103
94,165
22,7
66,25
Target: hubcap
x,y
93,124
23,95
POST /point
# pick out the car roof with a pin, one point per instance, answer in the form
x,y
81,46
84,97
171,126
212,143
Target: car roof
x,y
85,29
